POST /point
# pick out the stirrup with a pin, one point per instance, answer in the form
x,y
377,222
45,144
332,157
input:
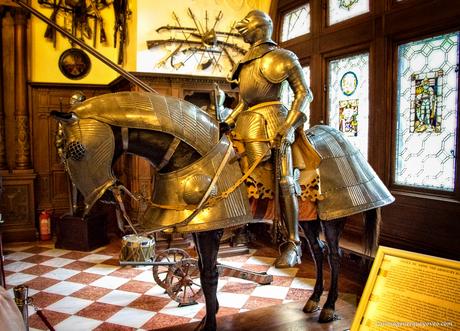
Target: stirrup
x,y
289,257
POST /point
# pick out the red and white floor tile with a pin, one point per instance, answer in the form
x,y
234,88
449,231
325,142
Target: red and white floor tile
x,y
91,291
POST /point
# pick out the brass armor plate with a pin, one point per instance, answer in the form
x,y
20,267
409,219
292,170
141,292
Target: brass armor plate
x,y
188,185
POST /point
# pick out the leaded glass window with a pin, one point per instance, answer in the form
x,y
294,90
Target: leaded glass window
x,y
348,103
296,23
287,95
341,10
426,131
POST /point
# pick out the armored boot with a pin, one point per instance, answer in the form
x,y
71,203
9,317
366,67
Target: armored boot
x,y
290,250
290,254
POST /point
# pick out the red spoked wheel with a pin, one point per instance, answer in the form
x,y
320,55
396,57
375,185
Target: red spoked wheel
x,y
170,255
183,282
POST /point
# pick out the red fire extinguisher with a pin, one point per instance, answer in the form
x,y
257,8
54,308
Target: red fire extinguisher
x,y
45,225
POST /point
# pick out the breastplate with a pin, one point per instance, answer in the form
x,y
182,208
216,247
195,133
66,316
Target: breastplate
x,y
254,87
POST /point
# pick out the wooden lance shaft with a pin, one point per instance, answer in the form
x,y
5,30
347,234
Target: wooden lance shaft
x,y
133,79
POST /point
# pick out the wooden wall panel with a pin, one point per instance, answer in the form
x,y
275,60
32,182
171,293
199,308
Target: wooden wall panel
x,y
52,181
17,202
430,227
418,221
17,207
60,188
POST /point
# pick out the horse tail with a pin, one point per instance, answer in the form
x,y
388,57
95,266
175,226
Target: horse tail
x,y
372,220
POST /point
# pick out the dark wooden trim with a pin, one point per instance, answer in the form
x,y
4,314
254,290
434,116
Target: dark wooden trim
x,y
426,17
288,316
66,85
156,79
18,206
362,18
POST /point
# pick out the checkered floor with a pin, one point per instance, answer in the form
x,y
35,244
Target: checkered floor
x,y
91,291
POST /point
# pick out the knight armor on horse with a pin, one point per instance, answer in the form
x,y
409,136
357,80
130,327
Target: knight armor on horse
x,y
197,183
264,128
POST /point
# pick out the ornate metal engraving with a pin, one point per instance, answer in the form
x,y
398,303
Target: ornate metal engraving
x,y
154,112
188,185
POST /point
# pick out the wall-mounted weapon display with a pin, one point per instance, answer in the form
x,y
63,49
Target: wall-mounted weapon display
x,y
126,74
122,13
201,44
83,19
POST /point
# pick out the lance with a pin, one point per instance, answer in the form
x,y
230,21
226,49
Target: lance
x,y
218,18
197,24
159,42
130,77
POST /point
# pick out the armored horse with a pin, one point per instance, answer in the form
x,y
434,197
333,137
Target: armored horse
x,y
199,184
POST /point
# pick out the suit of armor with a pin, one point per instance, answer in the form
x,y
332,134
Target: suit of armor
x,y
260,120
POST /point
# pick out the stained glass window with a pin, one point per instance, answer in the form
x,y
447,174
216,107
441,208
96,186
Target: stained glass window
x,y
341,10
287,95
426,130
296,23
348,93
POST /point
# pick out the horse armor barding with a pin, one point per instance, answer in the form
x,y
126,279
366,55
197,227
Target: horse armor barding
x,y
348,183
186,187
89,126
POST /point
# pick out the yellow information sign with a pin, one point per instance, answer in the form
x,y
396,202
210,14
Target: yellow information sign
x,y
410,291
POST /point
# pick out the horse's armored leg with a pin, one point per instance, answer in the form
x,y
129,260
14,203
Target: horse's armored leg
x,y
311,230
332,231
207,244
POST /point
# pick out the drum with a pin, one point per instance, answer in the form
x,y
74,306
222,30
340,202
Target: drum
x,y
137,248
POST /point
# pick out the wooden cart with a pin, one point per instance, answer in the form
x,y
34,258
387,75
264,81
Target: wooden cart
x,y
177,272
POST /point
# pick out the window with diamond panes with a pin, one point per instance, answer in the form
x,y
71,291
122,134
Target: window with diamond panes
x,y
348,98
287,95
341,10
296,23
427,111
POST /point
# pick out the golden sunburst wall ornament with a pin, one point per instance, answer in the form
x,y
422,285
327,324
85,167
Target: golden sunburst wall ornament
x,y
347,4
198,47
